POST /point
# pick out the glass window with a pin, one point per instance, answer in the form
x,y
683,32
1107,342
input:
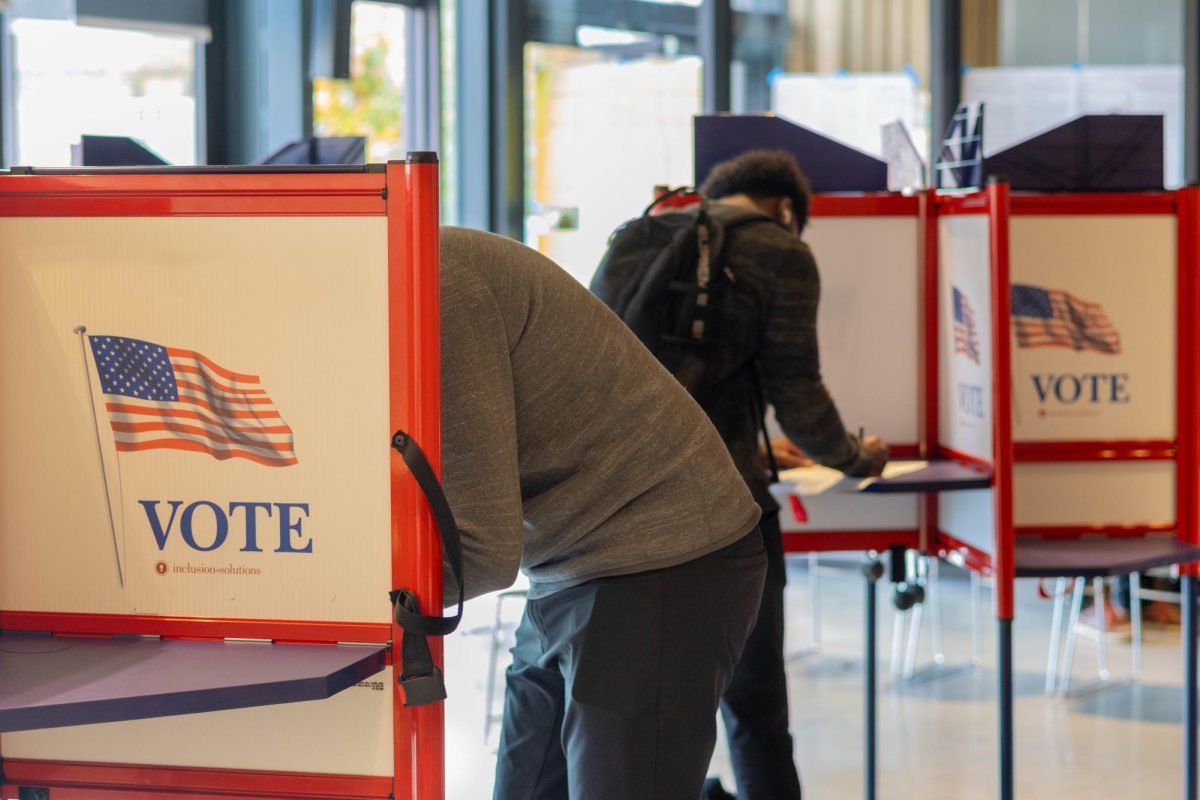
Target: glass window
x,y
603,127
72,80
849,68
449,110
1053,62
371,102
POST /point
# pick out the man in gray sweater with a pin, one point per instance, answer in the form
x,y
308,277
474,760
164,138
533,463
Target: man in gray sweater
x,y
570,453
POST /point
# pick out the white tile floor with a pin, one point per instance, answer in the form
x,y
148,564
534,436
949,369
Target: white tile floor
x,y
936,739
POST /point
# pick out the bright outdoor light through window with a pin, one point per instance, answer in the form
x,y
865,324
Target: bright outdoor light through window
x,y
73,80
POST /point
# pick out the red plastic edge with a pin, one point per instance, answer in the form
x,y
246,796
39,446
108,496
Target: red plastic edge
x,y
415,406
79,781
225,195
195,627
1092,204
1187,500
1111,530
1002,443
927,363
838,541
863,205
1115,450
959,552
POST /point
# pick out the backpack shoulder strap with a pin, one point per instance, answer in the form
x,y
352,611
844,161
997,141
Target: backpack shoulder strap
x,y
420,679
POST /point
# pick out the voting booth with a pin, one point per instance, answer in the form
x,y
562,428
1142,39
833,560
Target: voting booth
x,y
868,246
1052,309
201,516
1046,343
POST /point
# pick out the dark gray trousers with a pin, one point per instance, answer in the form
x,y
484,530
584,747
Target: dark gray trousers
x,y
614,686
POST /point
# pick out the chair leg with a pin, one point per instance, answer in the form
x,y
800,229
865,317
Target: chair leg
x,y
1060,590
933,596
814,600
1135,621
976,611
489,692
1064,683
1098,605
897,662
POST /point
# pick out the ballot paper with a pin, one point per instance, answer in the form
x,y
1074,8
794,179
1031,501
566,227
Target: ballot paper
x,y
894,469
812,481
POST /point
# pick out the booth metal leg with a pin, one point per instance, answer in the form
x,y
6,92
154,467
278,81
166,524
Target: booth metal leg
x,y
1188,588
1004,667
872,571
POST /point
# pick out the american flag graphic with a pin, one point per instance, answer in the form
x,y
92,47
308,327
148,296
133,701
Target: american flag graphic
x,y
966,340
1054,318
160,397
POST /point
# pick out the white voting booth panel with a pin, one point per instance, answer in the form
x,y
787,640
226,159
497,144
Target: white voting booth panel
x,y
192,534
965,370
1113,376
1101,370
868,328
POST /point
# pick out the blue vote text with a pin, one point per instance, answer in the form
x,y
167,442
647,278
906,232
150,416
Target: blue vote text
x,y
205,526
970,400
1090,388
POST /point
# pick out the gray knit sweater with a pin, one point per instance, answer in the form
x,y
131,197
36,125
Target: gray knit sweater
x,y
567,449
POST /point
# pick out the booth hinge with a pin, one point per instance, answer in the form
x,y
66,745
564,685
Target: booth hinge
x,y
241,639
33,793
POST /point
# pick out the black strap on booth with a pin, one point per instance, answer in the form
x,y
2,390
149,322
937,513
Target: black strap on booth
x,y
420,679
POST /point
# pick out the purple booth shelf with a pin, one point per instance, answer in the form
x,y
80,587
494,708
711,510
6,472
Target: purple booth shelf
x,y
1097,557
939,476
53,681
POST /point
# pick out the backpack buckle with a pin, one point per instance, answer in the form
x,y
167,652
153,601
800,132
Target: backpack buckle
x,y
422,690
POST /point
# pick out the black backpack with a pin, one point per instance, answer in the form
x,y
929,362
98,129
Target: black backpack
x,y
663,276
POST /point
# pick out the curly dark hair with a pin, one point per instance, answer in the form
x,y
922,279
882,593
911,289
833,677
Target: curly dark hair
x,y
761,174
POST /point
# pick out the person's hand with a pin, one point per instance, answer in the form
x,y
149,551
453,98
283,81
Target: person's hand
x,y
877,450
787,455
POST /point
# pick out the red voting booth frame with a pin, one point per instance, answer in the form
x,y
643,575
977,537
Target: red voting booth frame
x,y
999,205
406,193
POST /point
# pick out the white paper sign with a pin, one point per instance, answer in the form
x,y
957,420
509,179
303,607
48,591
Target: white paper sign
x,y
965,346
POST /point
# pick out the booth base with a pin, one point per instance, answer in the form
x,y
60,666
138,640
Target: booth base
x,y
54,681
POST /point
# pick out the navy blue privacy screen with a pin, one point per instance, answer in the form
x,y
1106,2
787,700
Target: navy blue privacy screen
x,y
831,166
1091,153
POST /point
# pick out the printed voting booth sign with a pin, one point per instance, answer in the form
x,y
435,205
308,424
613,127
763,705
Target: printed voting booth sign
x,y
965,350
1094,320
196,416
214,444
1094,360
